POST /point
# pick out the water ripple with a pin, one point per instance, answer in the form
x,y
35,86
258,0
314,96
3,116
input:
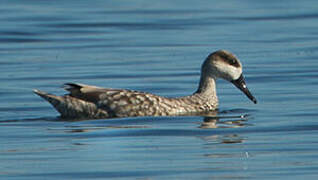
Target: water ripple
x,y
288,17
158,47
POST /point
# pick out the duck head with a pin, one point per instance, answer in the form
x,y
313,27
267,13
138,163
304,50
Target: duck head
x,y
223,64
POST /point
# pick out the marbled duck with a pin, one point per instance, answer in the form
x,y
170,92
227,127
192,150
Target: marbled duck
x,y
93,102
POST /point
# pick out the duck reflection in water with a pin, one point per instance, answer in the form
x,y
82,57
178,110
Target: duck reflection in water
x,y
213,120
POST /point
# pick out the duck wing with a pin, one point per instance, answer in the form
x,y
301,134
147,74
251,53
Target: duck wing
x,y
85,101
116,102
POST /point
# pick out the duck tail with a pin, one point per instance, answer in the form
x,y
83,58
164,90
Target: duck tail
x,y
58,102
52,99
70,107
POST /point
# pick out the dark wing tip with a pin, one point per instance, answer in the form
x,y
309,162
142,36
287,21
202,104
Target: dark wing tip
x,y
71,86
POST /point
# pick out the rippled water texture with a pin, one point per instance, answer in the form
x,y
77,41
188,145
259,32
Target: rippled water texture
x,y
158,47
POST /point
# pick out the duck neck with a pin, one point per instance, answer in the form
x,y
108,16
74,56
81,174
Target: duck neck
x,y
207,86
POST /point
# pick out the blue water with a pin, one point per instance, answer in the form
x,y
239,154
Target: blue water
x,y
158,47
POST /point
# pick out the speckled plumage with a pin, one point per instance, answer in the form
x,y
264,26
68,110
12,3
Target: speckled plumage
x,y
92,102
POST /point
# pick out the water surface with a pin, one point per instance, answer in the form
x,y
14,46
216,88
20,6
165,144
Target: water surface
x,y
158,47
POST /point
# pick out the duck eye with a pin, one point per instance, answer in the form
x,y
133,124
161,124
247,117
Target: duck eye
x,y
233,62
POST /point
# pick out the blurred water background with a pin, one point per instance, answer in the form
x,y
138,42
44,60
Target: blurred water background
x,y
158,47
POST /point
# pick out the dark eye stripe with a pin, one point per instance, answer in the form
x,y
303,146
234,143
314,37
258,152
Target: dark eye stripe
x,y
233,62
229,59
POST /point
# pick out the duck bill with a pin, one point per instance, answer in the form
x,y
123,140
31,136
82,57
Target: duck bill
x,y
240,83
